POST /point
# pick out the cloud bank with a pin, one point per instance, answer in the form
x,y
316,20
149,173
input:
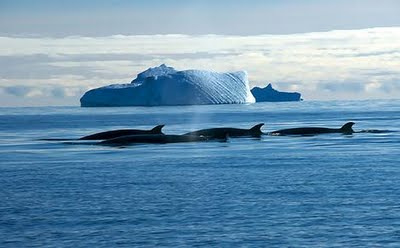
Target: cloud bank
x,y
348,64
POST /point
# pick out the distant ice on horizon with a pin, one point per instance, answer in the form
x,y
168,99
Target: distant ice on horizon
x,y
269,94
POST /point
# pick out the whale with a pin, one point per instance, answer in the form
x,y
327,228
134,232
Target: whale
x,y
345,129
159,139
255,131
375,131
122,132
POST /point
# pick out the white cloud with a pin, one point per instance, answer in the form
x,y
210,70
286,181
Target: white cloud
x,y
373,86
367,60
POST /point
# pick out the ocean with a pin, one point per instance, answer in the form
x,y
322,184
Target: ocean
x,y
329,190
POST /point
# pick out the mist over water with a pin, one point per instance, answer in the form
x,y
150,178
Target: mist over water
x,y
332,190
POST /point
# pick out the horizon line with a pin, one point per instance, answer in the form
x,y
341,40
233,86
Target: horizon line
x,y
27,35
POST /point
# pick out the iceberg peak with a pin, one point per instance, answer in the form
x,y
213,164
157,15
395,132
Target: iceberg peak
x,y
269,87
161,70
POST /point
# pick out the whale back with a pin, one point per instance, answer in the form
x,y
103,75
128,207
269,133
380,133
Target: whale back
x,y
255,131
122,132
345,129
159,139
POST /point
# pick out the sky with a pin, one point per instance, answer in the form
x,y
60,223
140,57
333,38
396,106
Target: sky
x,y
51,52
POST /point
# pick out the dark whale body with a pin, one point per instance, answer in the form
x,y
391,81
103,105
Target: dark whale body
x,y
122,132
158,139
231,132
345,129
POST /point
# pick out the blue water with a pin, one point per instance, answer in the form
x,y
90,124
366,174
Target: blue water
x,y
329,190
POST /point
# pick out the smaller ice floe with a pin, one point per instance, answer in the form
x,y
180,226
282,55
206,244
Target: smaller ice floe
x,y
268,94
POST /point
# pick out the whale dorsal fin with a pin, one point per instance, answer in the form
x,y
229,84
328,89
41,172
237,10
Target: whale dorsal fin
x,y
347,128
157,129
257,128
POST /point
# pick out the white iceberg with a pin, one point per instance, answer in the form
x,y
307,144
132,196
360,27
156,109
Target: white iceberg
x,y
164,85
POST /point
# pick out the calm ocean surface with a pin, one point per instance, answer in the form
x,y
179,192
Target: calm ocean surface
x,y
329,190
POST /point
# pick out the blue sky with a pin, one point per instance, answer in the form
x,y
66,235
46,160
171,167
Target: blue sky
x,y
240,17
53,51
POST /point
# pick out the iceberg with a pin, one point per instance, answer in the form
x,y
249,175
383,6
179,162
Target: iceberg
x,y
164,85
268,94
